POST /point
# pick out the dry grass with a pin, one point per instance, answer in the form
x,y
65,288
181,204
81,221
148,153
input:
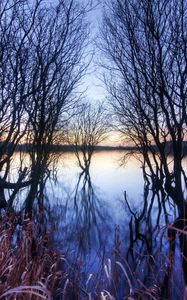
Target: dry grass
x,y
29,268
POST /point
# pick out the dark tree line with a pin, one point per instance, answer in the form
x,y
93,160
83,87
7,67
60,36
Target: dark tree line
x,y
145,43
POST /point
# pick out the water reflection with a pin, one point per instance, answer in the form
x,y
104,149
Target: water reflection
x,y
84,218
89,213
157,256
90,232
101,230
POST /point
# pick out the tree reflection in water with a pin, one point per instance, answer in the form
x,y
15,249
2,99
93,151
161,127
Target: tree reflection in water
x,y
144,257
156,254
90,214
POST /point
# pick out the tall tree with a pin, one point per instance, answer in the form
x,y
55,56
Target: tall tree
x,y
43,56
59,41
145,43
17,18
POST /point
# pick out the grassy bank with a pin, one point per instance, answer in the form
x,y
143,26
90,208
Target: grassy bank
x,y
29,268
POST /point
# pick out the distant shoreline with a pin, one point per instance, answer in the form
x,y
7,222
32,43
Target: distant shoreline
x,y
71,148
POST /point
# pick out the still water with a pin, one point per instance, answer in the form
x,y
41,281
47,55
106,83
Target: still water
x,y
108,178
95,227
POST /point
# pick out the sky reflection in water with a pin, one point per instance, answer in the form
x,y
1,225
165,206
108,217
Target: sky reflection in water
x,y
88,210
91,219
109,179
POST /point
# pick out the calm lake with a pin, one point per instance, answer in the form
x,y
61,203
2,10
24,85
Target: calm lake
x,y
109,180
95,226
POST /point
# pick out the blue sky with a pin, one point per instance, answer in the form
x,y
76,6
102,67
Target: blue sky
x,y
92,84
95,88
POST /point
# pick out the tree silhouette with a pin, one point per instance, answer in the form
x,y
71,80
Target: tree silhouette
x,y
17,20
59,49
88,128
43,56
145,43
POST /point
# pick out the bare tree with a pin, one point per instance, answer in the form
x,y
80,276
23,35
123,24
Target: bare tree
x,y
43,56
88,128
145,43
17,18
59,56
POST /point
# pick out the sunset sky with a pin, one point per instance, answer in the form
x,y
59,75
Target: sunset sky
x,y
92,82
